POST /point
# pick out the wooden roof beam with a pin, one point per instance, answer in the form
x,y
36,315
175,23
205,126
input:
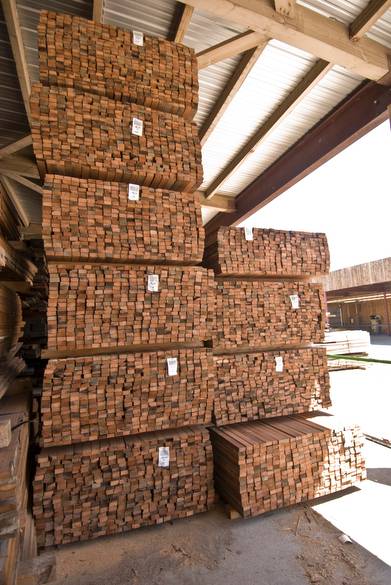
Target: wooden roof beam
x,y
229,48
323,37
222,203
16,146
97,10
19,164
236,81
315,74
368,17
16,40
181,22
12,194
23,181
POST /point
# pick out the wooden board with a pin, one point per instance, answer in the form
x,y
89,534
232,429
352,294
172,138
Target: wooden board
x,y
253,386
265,465
90,220
89,136
106,487
109,305
103,59
107,396
258,313
271,253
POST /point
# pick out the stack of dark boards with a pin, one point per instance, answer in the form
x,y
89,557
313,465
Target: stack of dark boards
x,y
11,332
104,487
91,136
88,220
129,384
265,465
102,59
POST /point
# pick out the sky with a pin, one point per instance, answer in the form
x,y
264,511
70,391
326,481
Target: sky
x,y
348,198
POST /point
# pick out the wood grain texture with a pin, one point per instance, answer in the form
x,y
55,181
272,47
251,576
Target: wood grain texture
x,y
90,136
107,487
271,253
109,306
250,387
103,59
266,465
90,220
108,396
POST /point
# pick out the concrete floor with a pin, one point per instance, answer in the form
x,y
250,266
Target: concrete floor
x,y
297,546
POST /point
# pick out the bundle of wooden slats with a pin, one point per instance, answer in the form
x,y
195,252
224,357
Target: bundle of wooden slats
x,y
260,313
11,323
265,252
265,465
87,219
118,305
89,136
123,65
257,385
104,487
99,397
14,267
9,219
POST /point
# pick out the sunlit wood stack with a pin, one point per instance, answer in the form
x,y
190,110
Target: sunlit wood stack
x,y
103,487
109,306
117,395
88,219
271,253
89,136
257,385
99,58
266,465
261,313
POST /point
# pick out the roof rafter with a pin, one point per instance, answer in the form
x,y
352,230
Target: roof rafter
x,y
368,17
323,37
23,181
222,203
12,194
233,85
97,10
183,16
16,40
304,86
16,146
229,48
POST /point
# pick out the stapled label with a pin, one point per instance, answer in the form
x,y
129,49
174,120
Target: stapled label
x,y
279,363
172,366
164,457
133,192
137,126
248,233
295,301
138,38
347,438
153,282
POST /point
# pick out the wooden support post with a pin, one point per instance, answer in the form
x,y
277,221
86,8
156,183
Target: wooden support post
x,y
387,313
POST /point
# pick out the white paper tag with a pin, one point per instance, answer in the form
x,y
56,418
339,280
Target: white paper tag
x,y
137,126
133,192
347,438
248,233
295,301
172,366
164,457
138,38
153,283
279,363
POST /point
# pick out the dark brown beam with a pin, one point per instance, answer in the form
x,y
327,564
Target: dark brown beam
x,y
354,117
368,17
182,18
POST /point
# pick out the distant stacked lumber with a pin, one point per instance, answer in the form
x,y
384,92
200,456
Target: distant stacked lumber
x,y
271,253
265,465
14,266
347,342
87,219
89,136
104,487
261,313
257,385
99,58
110,306
98,397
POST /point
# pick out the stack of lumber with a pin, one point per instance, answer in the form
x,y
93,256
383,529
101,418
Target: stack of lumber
x,y
9,220
109,305
102,59
90,136
261,313
265,465
264,384
14,266
105,487
88,220
11,331
99,397
347,342
273,253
